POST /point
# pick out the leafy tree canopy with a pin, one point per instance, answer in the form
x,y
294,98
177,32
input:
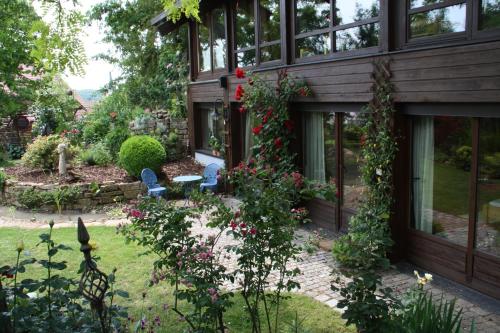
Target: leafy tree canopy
x,y
175,9
32,46
154,67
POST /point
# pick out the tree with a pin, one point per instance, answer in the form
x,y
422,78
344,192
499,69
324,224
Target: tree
x,y
154,67
175,9
32,47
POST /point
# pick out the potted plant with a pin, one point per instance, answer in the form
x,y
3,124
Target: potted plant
x,y
215,145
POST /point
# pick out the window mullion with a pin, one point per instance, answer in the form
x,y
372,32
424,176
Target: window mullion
x,y
257,31
471,237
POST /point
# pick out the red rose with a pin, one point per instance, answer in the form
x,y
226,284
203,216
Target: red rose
x,y
289,124
253,231
256,130
243,225
237,214
244,233
278,143
303,91
233,225
264,119
240,74
242,110
239,92
250,82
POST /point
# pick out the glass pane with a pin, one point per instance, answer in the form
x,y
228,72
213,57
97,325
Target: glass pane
x,y
269,53
219,32
245,24
441,170
490,14
438,21
348,11
421,3
204,46
319,146
269,20
314,45
357,37
488,201
351,144
212,124
312,15
245,59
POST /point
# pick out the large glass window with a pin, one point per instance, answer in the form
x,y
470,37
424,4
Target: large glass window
x,y
327,26
489,16
441,176
488,187
246,27
212,52
319,146
211,125
446,19
352,160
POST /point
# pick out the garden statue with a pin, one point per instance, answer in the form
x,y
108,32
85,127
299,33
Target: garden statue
x,y
61,149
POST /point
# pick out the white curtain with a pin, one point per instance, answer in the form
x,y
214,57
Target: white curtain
x,y
247,153
423,172
314,146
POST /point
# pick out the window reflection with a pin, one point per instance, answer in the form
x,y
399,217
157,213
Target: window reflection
x,y
442,157
490,14
438,21
421,3
354,189
219,38
244,59
245,24
270,53
354,11
204,44
269,20
357,38
319,146
212,124
488,201
312,15
314,45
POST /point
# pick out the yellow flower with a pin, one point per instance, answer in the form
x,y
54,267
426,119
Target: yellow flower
x,y
20,246
93,245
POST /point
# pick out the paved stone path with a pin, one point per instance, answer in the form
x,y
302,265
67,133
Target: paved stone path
x,y
315,278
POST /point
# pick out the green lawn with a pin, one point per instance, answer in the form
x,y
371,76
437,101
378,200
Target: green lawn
x,y
132,275
451,190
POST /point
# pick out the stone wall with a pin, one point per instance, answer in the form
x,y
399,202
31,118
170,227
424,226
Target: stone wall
x,y
89,198
159,124
9,135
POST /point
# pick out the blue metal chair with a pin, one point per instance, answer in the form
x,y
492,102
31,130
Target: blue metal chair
x,y
154,189
210,178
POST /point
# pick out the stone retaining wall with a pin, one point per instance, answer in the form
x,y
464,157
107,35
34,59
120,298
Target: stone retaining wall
x,y
109,192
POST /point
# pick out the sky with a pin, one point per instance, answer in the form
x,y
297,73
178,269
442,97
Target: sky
x,y
97,72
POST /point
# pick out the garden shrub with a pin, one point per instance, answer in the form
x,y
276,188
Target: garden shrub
x,y
96,154
14,151
492,165
42,153
3,179
59,197
463,157
115,139
140,152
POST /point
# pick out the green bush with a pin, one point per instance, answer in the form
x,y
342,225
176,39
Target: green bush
x,y
15,151
115,139
3,178
141,152
42,153
492,165
463,157
96,154
59,197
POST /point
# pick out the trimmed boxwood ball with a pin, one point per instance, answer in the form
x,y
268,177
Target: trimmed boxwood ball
x,y
139,152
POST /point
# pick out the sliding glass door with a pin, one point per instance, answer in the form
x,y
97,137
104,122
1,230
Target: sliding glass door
x,y
455,199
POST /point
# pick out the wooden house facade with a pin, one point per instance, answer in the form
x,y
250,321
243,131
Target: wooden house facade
x,y
444,59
